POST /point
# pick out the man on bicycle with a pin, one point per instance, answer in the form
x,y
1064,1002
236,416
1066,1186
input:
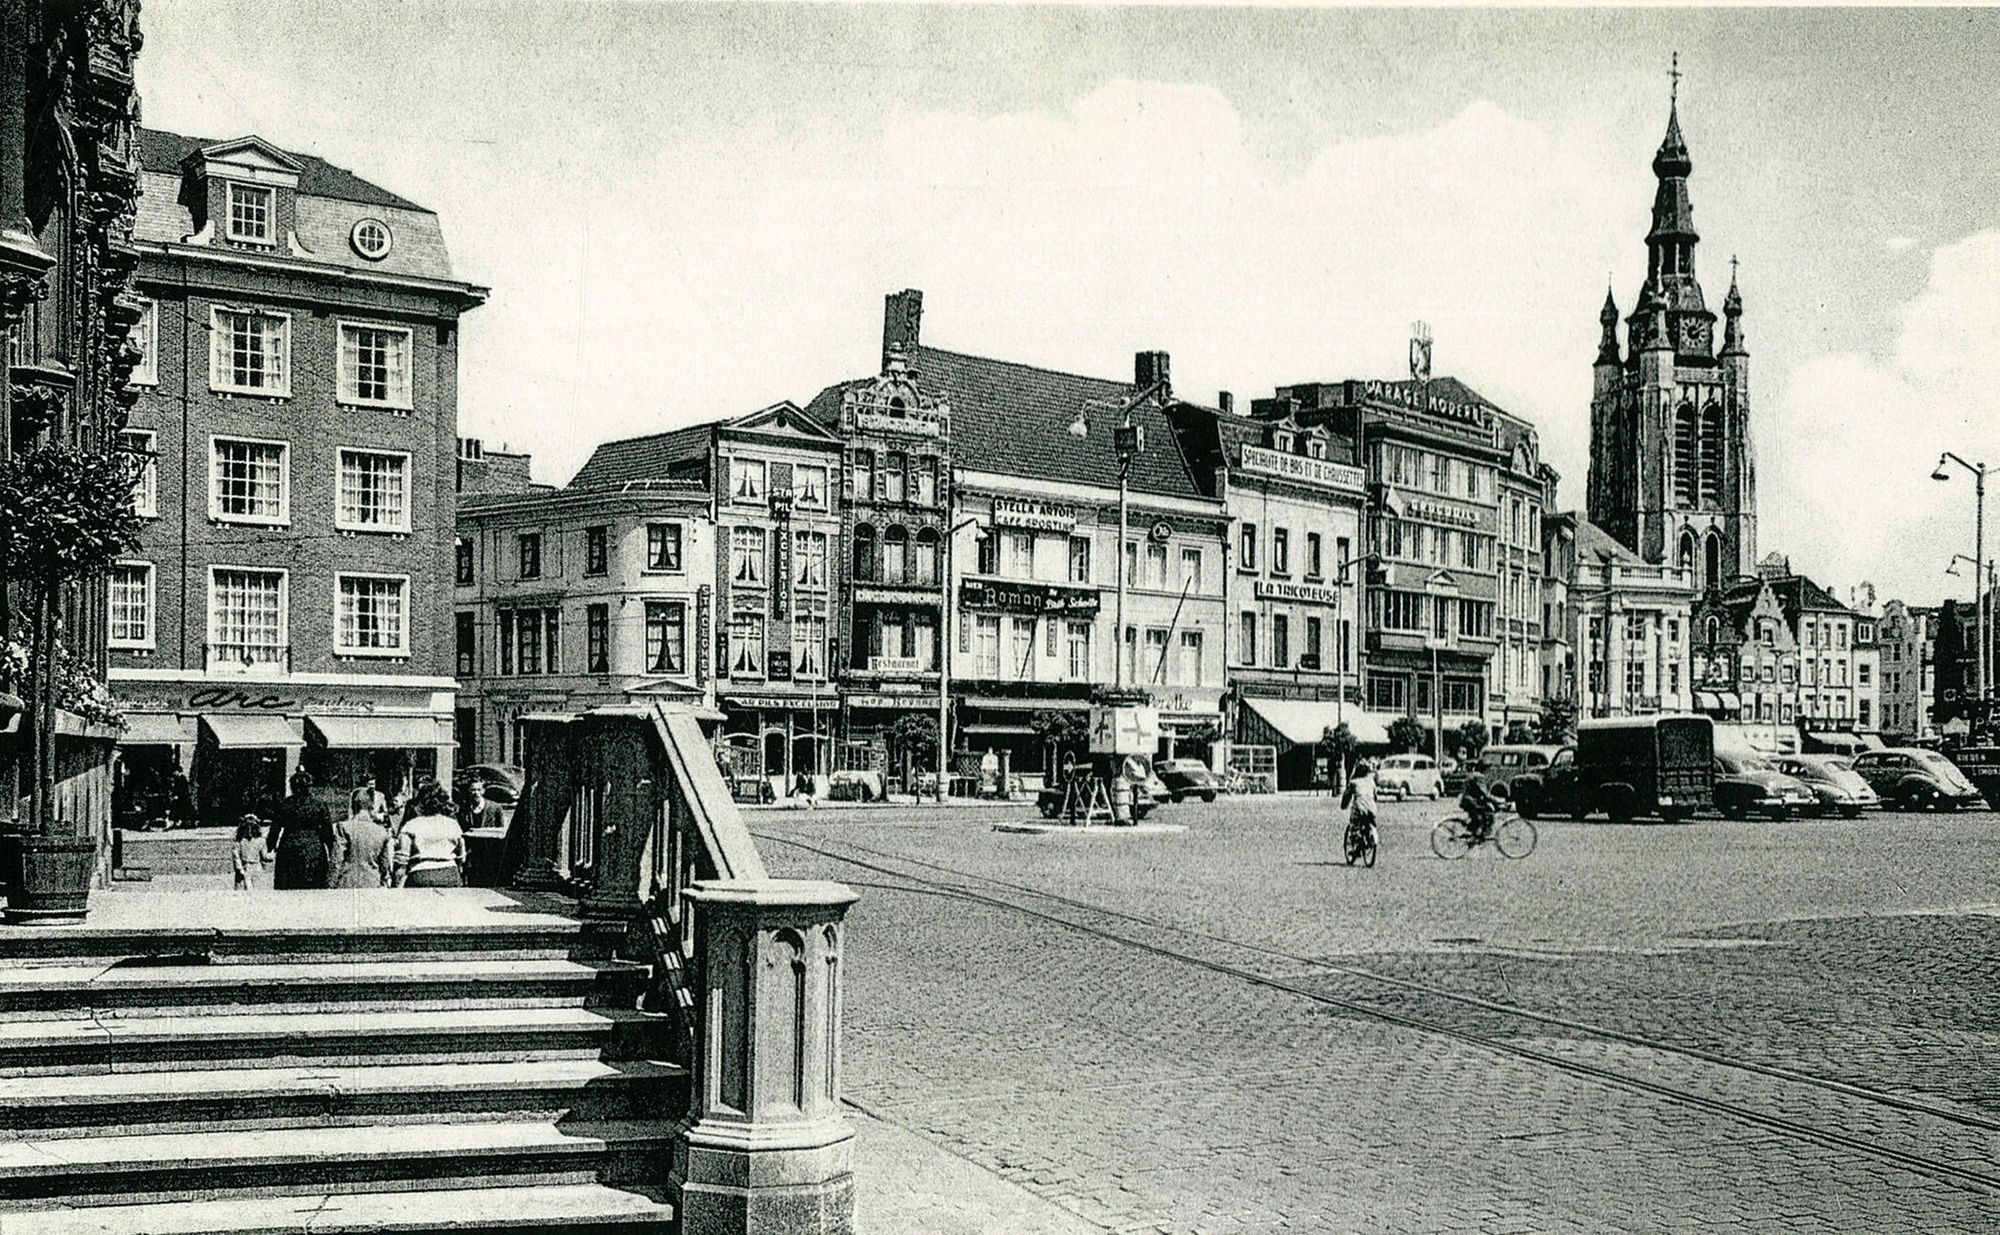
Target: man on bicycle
x,y
1479,805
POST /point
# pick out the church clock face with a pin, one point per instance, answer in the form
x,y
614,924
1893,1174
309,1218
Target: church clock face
x,y
1693,335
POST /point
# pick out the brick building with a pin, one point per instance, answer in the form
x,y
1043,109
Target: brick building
x,y
299,408
1907,646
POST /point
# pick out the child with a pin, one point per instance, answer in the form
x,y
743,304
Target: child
x,y
251,856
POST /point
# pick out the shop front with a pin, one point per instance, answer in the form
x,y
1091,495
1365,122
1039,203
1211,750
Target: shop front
x,y
770,739
205,753
875,757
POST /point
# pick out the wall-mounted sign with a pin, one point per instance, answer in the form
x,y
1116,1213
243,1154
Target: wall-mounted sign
x,y
1305,593
1429,511
898,664
1161,531
1033,513
891,701
1409,395
1321,473
1028,597
778,664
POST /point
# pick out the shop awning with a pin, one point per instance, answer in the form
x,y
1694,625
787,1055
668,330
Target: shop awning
x,y
158,729
378,732
996,731
1303,721
1707,701
1844,742
996,704
1730,701
233,732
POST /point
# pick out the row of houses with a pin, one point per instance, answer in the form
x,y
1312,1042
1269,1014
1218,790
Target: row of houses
x,y
333,577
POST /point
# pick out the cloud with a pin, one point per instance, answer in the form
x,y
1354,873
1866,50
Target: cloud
x,y
1137,217
1899,244
1851,438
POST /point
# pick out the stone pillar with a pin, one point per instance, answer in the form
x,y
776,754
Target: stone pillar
x,y
768,1151
548,793
629,813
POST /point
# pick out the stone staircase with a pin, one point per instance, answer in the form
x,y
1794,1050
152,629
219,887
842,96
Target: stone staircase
x,y
330,1079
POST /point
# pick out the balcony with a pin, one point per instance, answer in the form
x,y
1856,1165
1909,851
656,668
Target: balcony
x,y
248,659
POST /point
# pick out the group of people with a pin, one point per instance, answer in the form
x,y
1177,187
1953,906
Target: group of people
x,y
309,844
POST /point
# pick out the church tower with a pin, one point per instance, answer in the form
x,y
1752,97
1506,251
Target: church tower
x,y
1671,472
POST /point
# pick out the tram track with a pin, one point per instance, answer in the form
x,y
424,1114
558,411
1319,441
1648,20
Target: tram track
x,y
996,893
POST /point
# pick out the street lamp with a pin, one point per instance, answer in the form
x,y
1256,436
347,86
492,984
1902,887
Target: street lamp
x,y
1129,440
947,637
1978,471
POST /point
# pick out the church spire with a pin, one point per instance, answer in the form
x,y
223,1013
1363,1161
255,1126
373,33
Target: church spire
x,y
1732,311
1670,245
1607,347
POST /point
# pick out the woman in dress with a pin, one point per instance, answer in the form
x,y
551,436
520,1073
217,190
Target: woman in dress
x,y
252,860
430,850
303,838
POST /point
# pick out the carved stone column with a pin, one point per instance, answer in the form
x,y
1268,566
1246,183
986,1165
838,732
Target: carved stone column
x,y
550,788
769,1150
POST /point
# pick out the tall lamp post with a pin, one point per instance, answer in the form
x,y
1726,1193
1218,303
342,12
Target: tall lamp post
x,y
1978,471
1129,440
947,639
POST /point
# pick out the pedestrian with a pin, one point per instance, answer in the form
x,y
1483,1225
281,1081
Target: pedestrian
x,y
180,799
303,838
365,846
251,859
803,788
1359,799
430,850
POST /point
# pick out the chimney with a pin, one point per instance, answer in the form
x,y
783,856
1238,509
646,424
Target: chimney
x,y
902,324
1151,367
1227,402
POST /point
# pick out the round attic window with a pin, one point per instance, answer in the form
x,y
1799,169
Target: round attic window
x,y
372,239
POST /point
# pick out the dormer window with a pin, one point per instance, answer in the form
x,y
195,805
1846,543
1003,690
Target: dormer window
x,y
252,214
1315,448
1281,442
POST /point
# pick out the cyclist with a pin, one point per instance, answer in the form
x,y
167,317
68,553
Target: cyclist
x,y
1359,798
1478,804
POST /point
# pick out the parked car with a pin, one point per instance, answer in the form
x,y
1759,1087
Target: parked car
x,y
1452,774
1408,776
1833,782
1748,784
1187,778
1910,778
1499,765
502,781
1650,765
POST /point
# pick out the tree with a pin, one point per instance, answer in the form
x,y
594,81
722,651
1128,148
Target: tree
x,y
1557,723
65,516
1407,733
1470,738
915,736
1337,745
1062,733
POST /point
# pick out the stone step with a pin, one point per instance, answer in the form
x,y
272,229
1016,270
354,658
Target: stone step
x,y
43,991
194,1165
50,1107
580,1208
540,938
209,1041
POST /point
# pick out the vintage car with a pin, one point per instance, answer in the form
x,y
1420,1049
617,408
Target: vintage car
x,y
1911,778
1833,781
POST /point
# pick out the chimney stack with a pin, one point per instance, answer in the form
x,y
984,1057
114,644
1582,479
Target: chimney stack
x,y
1227,402
1151,367
902,324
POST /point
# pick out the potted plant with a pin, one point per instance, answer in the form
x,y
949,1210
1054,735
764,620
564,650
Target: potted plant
x,y
65,517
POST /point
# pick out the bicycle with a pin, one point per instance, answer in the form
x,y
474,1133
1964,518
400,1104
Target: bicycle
x,y
1512,835
1361,840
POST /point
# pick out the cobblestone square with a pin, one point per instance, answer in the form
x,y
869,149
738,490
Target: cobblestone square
x,y
1735,1026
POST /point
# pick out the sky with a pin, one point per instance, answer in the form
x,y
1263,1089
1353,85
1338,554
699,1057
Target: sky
x,y
693,211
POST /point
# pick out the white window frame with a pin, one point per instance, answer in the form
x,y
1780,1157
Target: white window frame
x,y
146,333
801,496
340,522
284,516
340,386
144,644
741,467
284,607
146,490
218,371
270,194
401,651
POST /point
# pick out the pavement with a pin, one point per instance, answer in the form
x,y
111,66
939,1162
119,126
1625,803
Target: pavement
x,y
1743,1027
